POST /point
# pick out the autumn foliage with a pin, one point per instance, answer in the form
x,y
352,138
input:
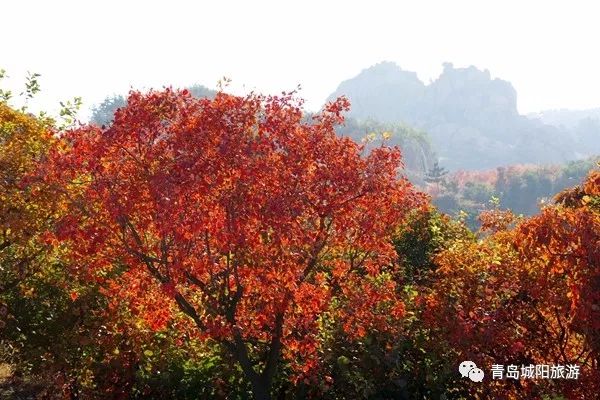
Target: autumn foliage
x,y
235,213
527,295
233,248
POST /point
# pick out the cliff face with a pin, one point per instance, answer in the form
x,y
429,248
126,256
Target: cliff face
x,y
472,119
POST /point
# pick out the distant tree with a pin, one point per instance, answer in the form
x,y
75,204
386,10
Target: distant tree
x,y
478,192
103,113
436,174
199,91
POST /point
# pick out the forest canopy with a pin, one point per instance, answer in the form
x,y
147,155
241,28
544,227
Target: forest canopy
x,y
222,246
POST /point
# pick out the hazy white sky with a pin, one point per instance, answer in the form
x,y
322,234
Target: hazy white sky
x,y
547,49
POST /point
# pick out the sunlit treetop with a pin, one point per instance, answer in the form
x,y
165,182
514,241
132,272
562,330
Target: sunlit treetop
x,y
24,140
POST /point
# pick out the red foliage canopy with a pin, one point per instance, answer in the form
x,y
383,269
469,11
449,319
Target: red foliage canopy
x,y
248,218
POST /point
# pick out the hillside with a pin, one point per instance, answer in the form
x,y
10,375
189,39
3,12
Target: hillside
x,y
583,125
417,153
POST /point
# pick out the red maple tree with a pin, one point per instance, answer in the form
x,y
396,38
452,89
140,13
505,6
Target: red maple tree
x,y
241,215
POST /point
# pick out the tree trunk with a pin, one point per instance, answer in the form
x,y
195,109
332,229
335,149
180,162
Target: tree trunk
x,y
261,387
260,390
261,382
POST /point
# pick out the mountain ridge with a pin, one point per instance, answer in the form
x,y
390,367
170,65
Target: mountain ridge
x,y
471,119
